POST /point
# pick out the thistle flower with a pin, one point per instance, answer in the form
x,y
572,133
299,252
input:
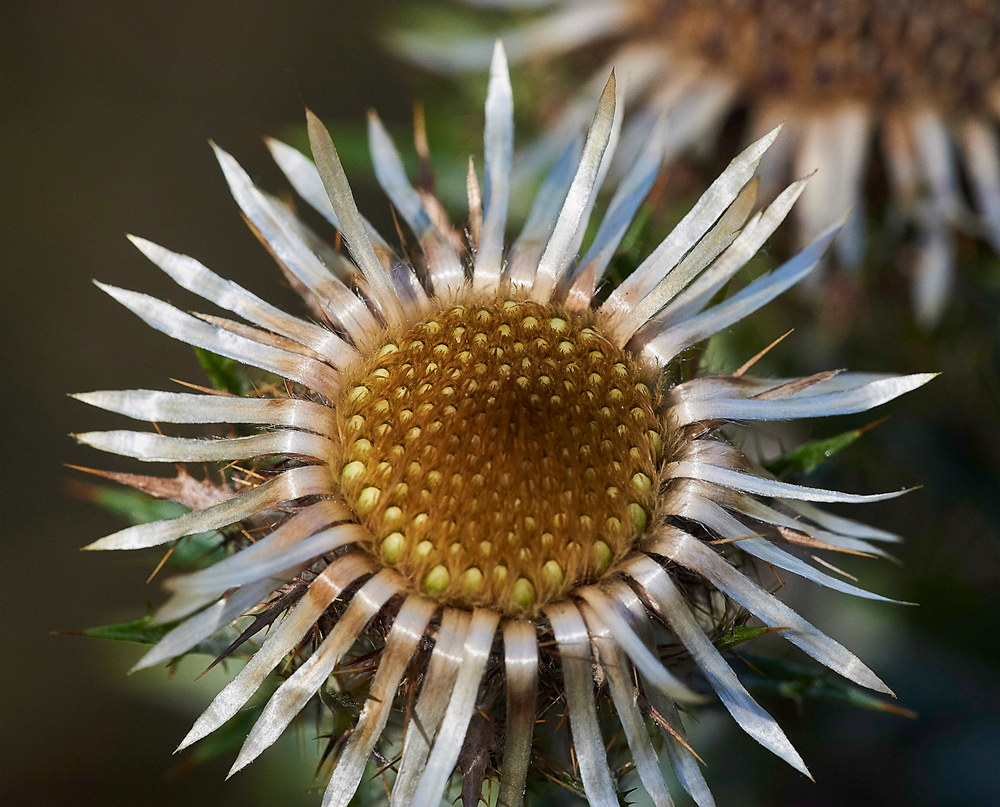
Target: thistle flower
x,y
924,75
489,480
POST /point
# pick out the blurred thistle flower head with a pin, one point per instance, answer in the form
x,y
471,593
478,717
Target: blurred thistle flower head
x,y
479,495
923,75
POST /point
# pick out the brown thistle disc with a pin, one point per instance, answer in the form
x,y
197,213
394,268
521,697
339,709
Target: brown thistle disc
x,y
501,454
944,53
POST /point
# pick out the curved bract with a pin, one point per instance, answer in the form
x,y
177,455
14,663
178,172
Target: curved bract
x,y
485,477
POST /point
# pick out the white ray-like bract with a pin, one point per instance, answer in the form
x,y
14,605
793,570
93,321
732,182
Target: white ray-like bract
x,y
305,557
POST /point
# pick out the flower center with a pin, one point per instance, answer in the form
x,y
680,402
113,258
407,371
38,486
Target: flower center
x,y
500,454
812,52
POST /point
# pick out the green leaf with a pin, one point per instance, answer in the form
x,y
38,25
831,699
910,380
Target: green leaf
x,y
806,458
800,682
222,372
198,551
739,634
134,506
138,630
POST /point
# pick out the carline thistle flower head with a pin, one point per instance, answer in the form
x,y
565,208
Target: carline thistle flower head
x,y
923,75
488,476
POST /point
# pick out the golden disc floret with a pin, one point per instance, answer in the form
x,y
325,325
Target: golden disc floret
x,y
500,454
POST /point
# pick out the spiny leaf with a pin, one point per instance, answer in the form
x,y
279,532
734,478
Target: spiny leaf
x,y
806,458
138,630
800,682
222,372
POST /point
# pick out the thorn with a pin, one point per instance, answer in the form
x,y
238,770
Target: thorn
x,y
160,564
750,363
734,540
803,539
206,390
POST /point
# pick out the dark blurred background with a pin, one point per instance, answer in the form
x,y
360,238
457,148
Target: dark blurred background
x,y
105,113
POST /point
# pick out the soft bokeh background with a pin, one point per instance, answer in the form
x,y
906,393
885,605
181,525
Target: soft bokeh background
x,y
105,110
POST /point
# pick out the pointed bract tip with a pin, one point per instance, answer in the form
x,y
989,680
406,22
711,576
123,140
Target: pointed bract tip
x,y
824,239
312,119
188,740
499,55
278,147
795,760
499,73
119,294
843,219
319,136
761,145
378,135
146,247
609,95
223,157
92,398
